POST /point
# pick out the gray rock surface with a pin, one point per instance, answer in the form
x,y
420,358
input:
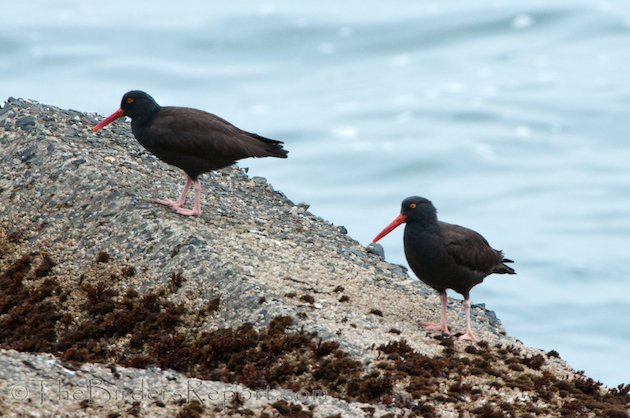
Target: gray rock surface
x,y
76,194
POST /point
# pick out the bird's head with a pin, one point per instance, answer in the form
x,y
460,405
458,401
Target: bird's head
x,y
416,208
134,103
413,209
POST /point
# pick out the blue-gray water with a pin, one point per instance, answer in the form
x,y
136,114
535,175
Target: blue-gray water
x,y
512,116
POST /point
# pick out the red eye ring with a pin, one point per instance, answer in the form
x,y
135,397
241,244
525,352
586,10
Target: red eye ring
x,y
130,100
412,206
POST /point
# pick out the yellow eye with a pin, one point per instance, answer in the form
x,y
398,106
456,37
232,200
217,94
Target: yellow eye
x,y
130,100
412,206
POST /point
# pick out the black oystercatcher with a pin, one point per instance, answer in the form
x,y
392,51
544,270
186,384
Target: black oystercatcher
x,y
445,256
191,139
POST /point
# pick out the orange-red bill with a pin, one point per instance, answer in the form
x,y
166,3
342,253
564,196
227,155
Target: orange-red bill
x,y
400,219
117,114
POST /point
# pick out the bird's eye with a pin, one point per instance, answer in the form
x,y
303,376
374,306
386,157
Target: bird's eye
x,y
412,206
130,100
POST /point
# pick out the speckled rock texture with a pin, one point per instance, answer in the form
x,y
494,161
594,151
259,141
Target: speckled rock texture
x,y
86,260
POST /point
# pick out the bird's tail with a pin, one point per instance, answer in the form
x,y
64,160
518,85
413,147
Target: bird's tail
x,y
503,269
272,147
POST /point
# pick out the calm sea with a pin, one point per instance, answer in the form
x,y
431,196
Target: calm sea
x,y
511,116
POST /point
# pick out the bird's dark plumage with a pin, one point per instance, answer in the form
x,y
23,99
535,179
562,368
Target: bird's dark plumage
x,y
191,139
443,255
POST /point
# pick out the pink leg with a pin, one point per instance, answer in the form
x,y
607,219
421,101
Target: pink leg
x,y
182,198
431,326
196,211
468,335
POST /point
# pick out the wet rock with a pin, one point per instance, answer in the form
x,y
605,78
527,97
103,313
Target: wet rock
x,y
77,162
26,122
27,154
375,248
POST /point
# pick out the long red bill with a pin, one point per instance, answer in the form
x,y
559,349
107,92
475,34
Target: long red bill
x,y
117,114
400,219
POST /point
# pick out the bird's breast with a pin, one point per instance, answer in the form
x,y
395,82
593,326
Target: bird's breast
x,y
424,250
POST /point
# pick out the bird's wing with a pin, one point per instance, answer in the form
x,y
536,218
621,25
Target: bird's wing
x,y
196,133
469,249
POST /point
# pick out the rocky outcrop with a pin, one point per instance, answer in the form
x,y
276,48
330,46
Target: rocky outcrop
x,y
110,304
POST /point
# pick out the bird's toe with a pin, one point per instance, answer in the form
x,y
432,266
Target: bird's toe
x,y
187,212
432,326
469,336
166,202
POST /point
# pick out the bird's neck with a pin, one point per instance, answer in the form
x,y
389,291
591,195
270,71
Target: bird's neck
x,y
423,220
422,227
419,230
140,121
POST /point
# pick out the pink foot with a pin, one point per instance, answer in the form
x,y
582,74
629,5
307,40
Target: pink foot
x,y
432,326
177,205
468,335
187,212
166,202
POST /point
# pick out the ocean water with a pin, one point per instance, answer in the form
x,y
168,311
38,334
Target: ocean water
x,y
511,116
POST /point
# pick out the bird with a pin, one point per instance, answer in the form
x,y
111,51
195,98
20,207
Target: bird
x,y
445,256
191,139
